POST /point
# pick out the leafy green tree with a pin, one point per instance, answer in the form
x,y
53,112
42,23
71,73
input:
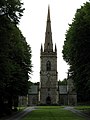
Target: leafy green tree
x,y
15,54
76,51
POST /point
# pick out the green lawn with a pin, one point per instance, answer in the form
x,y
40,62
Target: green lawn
x,y
51,113
85,109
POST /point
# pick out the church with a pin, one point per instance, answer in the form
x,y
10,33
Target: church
x,y
48,92
48,70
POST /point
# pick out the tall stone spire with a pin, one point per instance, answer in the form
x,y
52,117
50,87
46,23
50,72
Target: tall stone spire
x,y
48,45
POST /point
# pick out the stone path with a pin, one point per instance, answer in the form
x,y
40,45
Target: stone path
x,y
78,112
20,115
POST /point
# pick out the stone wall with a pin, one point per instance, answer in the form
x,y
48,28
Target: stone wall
x,y
32,99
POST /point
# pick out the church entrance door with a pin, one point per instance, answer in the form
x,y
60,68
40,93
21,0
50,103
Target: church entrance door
x,y
48,100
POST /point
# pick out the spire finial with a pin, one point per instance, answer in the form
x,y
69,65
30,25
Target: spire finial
x,y
48,17
48,8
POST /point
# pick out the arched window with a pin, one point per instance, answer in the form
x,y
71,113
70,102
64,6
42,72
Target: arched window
x,y
48,66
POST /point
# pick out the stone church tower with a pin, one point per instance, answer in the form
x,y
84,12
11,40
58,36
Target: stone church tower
x,y
48,69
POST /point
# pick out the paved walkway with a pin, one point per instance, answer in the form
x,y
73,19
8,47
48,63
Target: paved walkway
x,y
78,112
21,114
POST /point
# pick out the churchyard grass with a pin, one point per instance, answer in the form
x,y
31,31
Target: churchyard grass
x,y
51,113
82,107
85,109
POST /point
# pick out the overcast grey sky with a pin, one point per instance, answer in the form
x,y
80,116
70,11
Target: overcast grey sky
x,y
33,26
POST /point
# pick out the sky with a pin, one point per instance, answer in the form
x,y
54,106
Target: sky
x,y
33,27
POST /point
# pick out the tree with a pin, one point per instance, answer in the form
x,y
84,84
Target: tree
x,y
15,55
76,51
15,62
64,82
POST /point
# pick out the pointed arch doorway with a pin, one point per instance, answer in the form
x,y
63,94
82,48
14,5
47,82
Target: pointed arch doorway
x,y
48,100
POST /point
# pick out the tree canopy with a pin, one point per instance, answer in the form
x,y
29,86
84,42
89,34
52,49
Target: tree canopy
x,y
64,82
12,9
76,50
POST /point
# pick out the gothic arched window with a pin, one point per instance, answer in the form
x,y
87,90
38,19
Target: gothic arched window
x,y
48,66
